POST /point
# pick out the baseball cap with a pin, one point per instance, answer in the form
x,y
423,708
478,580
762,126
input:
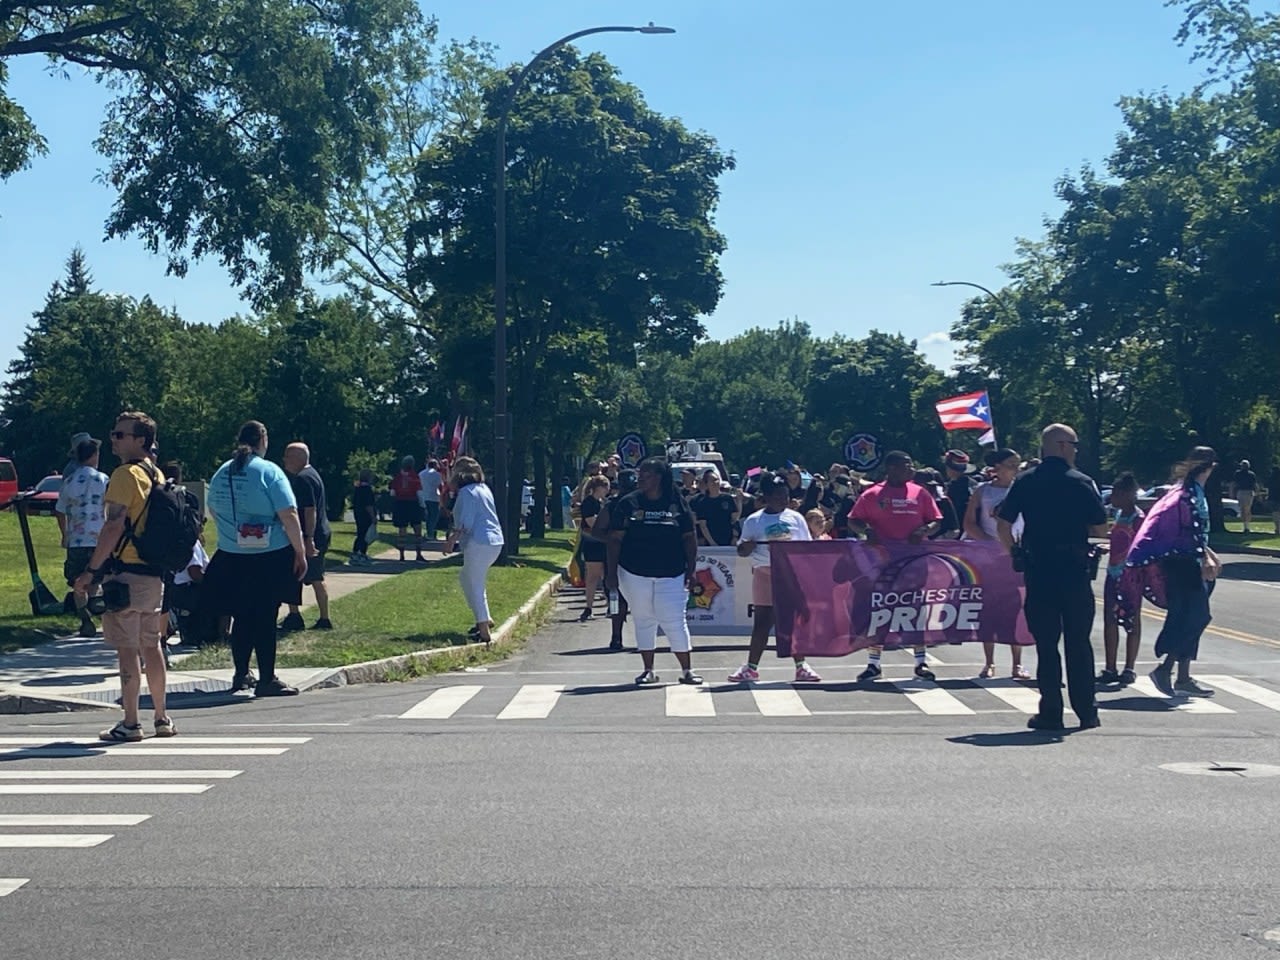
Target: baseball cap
x,y
79,438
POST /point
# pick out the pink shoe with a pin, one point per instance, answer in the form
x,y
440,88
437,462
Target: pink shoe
x,y
806,674
744,674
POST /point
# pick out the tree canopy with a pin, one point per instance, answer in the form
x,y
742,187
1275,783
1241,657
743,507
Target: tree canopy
x,y
236,123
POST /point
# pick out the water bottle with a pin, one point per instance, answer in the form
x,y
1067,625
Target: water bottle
x,y
614,605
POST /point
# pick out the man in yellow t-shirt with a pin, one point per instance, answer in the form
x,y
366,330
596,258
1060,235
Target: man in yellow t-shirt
x,y
135,625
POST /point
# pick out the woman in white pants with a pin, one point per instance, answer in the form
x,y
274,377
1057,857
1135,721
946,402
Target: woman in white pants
x,y
478,534
651,558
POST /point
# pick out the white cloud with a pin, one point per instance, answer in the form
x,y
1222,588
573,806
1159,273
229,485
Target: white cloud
x,y
940,338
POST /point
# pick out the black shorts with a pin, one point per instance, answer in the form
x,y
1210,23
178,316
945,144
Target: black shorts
x,y
76,563
315,567
406,513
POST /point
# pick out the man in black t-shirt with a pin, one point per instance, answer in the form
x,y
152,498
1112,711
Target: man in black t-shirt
x,y
1245,483
308,490
959,488
714,512
1060,509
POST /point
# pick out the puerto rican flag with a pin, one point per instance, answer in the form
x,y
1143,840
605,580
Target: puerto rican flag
x,y
972,411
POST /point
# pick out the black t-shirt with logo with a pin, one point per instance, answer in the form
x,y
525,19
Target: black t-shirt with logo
x,y
653,545
717,513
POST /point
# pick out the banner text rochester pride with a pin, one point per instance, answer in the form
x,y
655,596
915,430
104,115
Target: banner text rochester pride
x,y
917,611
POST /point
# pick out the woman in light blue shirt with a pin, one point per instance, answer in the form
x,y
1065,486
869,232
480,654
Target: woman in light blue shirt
x,y
478,534
260,560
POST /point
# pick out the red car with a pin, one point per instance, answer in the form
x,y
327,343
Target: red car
x,y
41,500
8,481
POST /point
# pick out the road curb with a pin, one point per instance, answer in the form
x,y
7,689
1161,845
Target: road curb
x,y
16,703
1252,551
389,668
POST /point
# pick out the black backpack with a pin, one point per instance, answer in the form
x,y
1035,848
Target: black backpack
x,y
171,527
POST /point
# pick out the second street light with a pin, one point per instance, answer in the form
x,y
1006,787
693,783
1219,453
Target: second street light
x,y
501,418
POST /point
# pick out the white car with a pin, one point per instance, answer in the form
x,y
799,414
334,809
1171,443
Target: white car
x,y
1147,499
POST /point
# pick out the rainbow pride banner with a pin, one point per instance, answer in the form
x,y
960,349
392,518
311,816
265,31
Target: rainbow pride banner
x,y
832,597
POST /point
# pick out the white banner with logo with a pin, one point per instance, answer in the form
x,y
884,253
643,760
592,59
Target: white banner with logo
x,y
721,598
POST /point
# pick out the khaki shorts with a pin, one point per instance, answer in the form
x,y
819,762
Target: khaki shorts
x,y
139,626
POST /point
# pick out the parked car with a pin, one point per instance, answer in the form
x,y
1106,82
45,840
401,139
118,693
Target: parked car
x,y
1147,499
8,481
41,499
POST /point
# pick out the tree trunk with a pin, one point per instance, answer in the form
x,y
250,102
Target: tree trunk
x,y
538,521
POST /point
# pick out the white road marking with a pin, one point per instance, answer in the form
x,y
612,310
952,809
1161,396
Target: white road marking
x,y
24,841
119,774
779,702
1144,686
101,788
1243,688
1015,694
442,704
934,701
533,701
72,819
687,701
10,884
198,741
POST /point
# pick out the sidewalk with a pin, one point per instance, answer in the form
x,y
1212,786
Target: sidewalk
x,y
78,673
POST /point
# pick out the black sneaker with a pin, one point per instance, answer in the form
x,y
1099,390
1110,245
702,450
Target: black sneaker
x,y
1163,680
1191,688
924,673
1128,677
691,678
87,629
275,687
1093,723
245,681
615,643
324,623
293,621
1107,677
870,673
1039,722
647,679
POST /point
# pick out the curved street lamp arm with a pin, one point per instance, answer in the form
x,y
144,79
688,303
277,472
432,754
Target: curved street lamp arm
x,y
1000,300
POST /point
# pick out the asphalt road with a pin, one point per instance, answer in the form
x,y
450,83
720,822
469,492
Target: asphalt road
x,y
547,809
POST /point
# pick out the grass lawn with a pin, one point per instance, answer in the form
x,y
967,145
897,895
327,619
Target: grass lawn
x,y
1262,535
416,610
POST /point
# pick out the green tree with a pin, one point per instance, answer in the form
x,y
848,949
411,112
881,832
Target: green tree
x,y
237,123
611,243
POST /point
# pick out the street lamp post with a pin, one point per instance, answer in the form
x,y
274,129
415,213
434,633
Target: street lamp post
x,y
501,419
999,300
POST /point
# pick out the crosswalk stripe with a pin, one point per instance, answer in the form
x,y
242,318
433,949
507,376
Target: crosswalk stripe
x,y
72,820
1015,694
442,704
44,789
10,884
118,774
1144,686
687,701
779,702
116,750
1243,688
533,701
933,700
25,841
55,741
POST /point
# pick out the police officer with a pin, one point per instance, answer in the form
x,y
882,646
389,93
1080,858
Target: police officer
x,y
1061,509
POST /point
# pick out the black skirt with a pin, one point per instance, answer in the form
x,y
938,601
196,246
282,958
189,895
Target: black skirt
x,y
236,583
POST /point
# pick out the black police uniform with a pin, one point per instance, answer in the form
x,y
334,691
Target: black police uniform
x,y
1058,505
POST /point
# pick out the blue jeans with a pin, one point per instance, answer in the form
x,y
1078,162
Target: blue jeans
x,y
432,509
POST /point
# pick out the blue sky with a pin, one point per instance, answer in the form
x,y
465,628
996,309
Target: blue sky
x,y
879,146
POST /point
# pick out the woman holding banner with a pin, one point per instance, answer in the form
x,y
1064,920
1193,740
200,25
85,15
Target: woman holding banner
x,y
980,524
776,522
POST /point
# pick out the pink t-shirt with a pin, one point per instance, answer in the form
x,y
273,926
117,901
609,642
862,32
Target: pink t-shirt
x,y
894,513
